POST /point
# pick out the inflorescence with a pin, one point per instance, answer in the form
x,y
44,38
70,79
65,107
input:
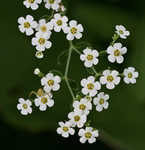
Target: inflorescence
x,y
90,87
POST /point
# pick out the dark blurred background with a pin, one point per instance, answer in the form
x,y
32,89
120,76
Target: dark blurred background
x,y
122,125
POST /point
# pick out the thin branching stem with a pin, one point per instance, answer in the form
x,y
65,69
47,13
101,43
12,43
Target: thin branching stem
x,y
67,70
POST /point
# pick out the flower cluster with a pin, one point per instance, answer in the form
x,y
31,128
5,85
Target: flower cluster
x,y
90,95
78,118
44,27
44,97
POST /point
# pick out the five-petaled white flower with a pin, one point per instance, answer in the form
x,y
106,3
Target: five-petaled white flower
x,y
101,101
51,82
27,25
84,106
44,27
90,86
77,119
130,75
24,106
73,30
41,41
59,22
52,4
65,129
122,32
115,53
89,134
33,4
90,57
110,78
44,101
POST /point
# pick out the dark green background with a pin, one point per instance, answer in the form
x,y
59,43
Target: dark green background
x,y
122,125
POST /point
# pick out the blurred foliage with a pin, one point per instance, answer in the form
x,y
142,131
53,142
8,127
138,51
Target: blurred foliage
x,y
124,121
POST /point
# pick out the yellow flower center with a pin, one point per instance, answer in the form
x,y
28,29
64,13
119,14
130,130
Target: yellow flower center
x,y
65,129
73,30
90,57
117,52
25,106
121,32
59,22
130,75
31,1
110,78
27,25
101,101
90,86
77,118
41,41
43,28
88,135
44,100
82,107
50,82
51,1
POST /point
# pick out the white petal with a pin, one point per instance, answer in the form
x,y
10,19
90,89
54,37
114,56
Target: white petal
x,y
99,108
70,37
73,23
111,58
103,80
59,130
83,139
43,107
81,132
110,85
120,59
56,87
78,35
50,103
92,140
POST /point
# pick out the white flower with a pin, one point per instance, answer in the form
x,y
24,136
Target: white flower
x,y
54,4
90,86
27,25
90,57
115,53
88,134
74,30
77,119
36,71
32,3
101,101
65,129
44,27
59,22
39,55
130,75
110,78
44,101
83,106
24,106
41,41
51,82
122,32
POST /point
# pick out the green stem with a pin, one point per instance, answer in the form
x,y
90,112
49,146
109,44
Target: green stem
x,y
94,70
67,69
76,50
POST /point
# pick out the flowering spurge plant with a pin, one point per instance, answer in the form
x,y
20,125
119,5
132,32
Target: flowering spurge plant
x,y
89,97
